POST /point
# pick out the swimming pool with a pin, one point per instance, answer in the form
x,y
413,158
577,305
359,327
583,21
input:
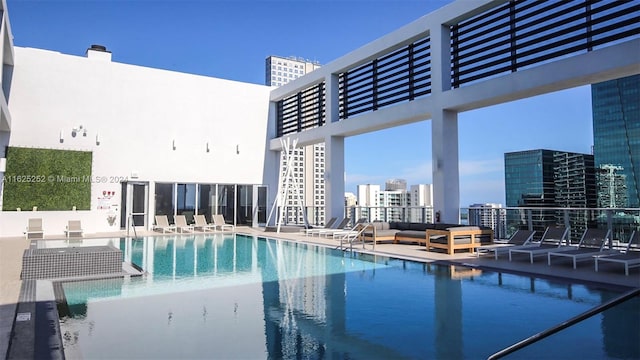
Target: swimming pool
x,y
237,296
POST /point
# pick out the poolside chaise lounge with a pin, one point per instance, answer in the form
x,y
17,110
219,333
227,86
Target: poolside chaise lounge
x,y
592,243
551,240
162,224
356,230
340,227
220,223
328,225
34,227
181,224
519,238
74,228
630,258
202,224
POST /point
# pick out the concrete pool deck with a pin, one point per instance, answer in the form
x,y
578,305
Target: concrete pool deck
x,y
610,275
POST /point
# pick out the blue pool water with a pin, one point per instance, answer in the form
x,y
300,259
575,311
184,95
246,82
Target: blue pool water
x,y
244,297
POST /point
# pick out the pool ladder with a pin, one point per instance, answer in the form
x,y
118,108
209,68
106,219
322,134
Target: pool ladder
x,y
574,320
351,237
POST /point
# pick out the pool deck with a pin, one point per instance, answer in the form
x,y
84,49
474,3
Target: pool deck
x,y
610,275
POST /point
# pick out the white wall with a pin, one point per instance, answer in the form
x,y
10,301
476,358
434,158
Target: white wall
x,y
138,114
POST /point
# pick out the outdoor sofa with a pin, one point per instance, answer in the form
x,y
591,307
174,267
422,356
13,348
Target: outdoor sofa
x,y
449,237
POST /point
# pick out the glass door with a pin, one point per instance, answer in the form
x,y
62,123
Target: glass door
x,y
245,205
135,207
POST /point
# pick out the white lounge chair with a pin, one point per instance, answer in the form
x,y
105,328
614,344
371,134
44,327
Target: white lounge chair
x,y
328,225
630,258
340,226
357,228
551,240
202,224
162,224
74,228
519,238
34,227
219,222
592,243
181,224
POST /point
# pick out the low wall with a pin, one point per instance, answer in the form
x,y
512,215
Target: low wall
x,y
54,223
70,262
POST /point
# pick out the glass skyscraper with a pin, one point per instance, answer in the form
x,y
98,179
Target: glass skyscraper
x,y
529,178
616,133
550,179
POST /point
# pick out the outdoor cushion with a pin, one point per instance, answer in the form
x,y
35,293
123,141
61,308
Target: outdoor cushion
x,y
414,234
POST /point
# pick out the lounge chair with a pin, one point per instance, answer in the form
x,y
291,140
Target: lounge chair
x,y
630,258
181,224
592,243
341,226
328,225
202,224
34,227
551,240
219,222
162,223
74,227
519,238
357,229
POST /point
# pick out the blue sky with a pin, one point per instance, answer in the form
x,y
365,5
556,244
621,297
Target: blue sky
x,y
231,39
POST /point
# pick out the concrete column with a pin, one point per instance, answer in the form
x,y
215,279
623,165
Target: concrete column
x,y
332,108
271,169
446,182
444,133
333,155
334,176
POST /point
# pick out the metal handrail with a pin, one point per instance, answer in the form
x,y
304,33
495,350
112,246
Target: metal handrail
x,y
574,320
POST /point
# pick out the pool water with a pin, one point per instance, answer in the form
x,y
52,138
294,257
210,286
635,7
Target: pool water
x,y
235,296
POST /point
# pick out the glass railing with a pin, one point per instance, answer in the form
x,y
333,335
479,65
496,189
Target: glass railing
x,y
504,221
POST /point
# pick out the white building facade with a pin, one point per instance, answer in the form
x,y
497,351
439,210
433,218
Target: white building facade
x,y
151,133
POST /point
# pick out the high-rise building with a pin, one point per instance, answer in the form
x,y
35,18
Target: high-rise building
x,y
350,199
420,203
395,184
489,215
529,178
548,179
368,202
281,70
575,187
396,205
616,141
308,166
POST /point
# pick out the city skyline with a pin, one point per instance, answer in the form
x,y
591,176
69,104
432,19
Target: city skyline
x,y
231,40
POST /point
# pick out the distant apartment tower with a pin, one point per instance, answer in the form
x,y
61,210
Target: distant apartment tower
x,y
395,184
350,199
490,215
414,205
420,202
616,141
368,202
548,179
280,70
308,167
